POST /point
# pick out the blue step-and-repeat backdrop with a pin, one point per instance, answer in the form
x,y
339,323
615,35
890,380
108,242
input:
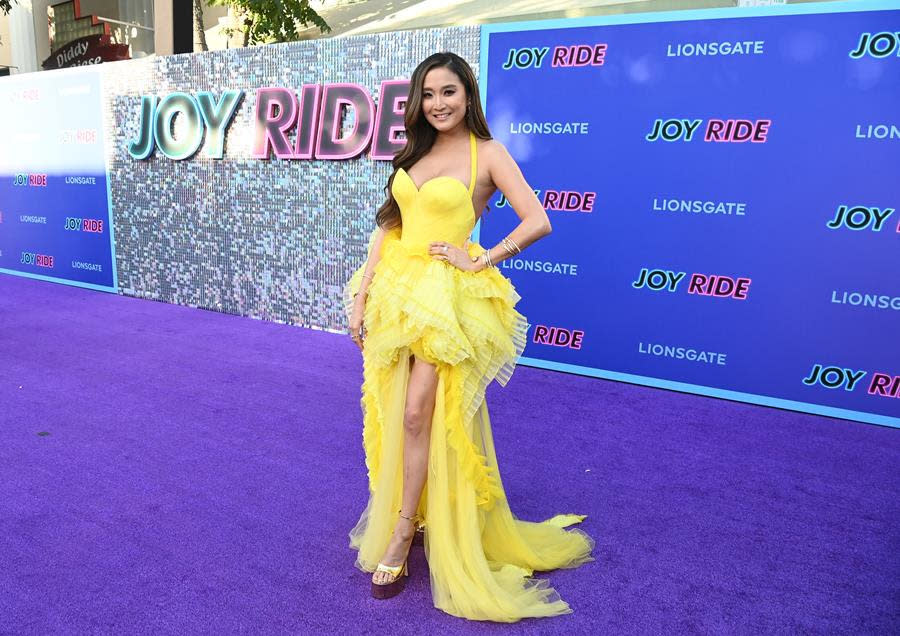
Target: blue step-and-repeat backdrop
x,y
54,200
723,187
723,194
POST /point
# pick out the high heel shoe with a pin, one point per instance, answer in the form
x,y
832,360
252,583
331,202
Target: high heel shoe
x,y
398,573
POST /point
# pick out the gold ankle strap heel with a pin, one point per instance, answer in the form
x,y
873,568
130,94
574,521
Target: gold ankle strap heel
x,y
397,573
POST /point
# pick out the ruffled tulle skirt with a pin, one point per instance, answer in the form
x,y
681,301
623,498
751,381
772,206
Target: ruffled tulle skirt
x,y
480,556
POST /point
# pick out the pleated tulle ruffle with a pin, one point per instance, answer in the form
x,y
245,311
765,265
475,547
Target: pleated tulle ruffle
x,y
461,319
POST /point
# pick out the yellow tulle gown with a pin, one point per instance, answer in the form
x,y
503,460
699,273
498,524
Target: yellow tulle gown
x,y
480,556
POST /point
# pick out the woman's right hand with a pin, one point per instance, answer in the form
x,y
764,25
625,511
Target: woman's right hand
x,y
357,330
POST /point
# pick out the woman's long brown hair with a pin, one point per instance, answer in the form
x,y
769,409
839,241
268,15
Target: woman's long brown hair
x,y
420,134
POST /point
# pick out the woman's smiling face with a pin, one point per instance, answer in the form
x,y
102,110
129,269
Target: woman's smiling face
x,y
443,99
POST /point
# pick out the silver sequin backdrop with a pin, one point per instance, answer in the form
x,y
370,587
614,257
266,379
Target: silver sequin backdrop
x,y
275,239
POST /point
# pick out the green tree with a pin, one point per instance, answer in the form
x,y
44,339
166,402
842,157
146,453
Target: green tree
x,y
267,21
6,7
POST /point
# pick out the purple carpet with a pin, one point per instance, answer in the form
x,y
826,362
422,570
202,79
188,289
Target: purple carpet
x,y
172,470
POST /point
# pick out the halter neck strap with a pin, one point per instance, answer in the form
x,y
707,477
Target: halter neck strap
x,y
474,161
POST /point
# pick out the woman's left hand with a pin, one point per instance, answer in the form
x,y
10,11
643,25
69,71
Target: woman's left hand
x,y
456,256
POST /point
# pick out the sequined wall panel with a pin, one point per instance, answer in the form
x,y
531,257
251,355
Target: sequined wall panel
x,y
272,239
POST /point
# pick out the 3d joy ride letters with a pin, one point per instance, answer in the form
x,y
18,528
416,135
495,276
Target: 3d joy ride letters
x,y
316,117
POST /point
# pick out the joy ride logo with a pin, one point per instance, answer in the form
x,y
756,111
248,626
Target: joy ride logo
x,y
78,136
877,45
575,55
861,217
314,119
718,130
41,260
834,377
561,200
558,336
35,180
76,224
712,285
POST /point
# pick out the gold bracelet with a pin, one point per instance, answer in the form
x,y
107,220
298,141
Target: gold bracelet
x,y
509,241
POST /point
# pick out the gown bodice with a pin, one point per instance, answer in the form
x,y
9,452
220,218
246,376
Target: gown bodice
x,y
441,210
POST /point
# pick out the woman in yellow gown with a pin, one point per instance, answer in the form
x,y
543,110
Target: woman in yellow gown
x,y
436,323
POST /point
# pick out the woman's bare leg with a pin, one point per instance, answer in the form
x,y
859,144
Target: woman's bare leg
x,y
416,438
